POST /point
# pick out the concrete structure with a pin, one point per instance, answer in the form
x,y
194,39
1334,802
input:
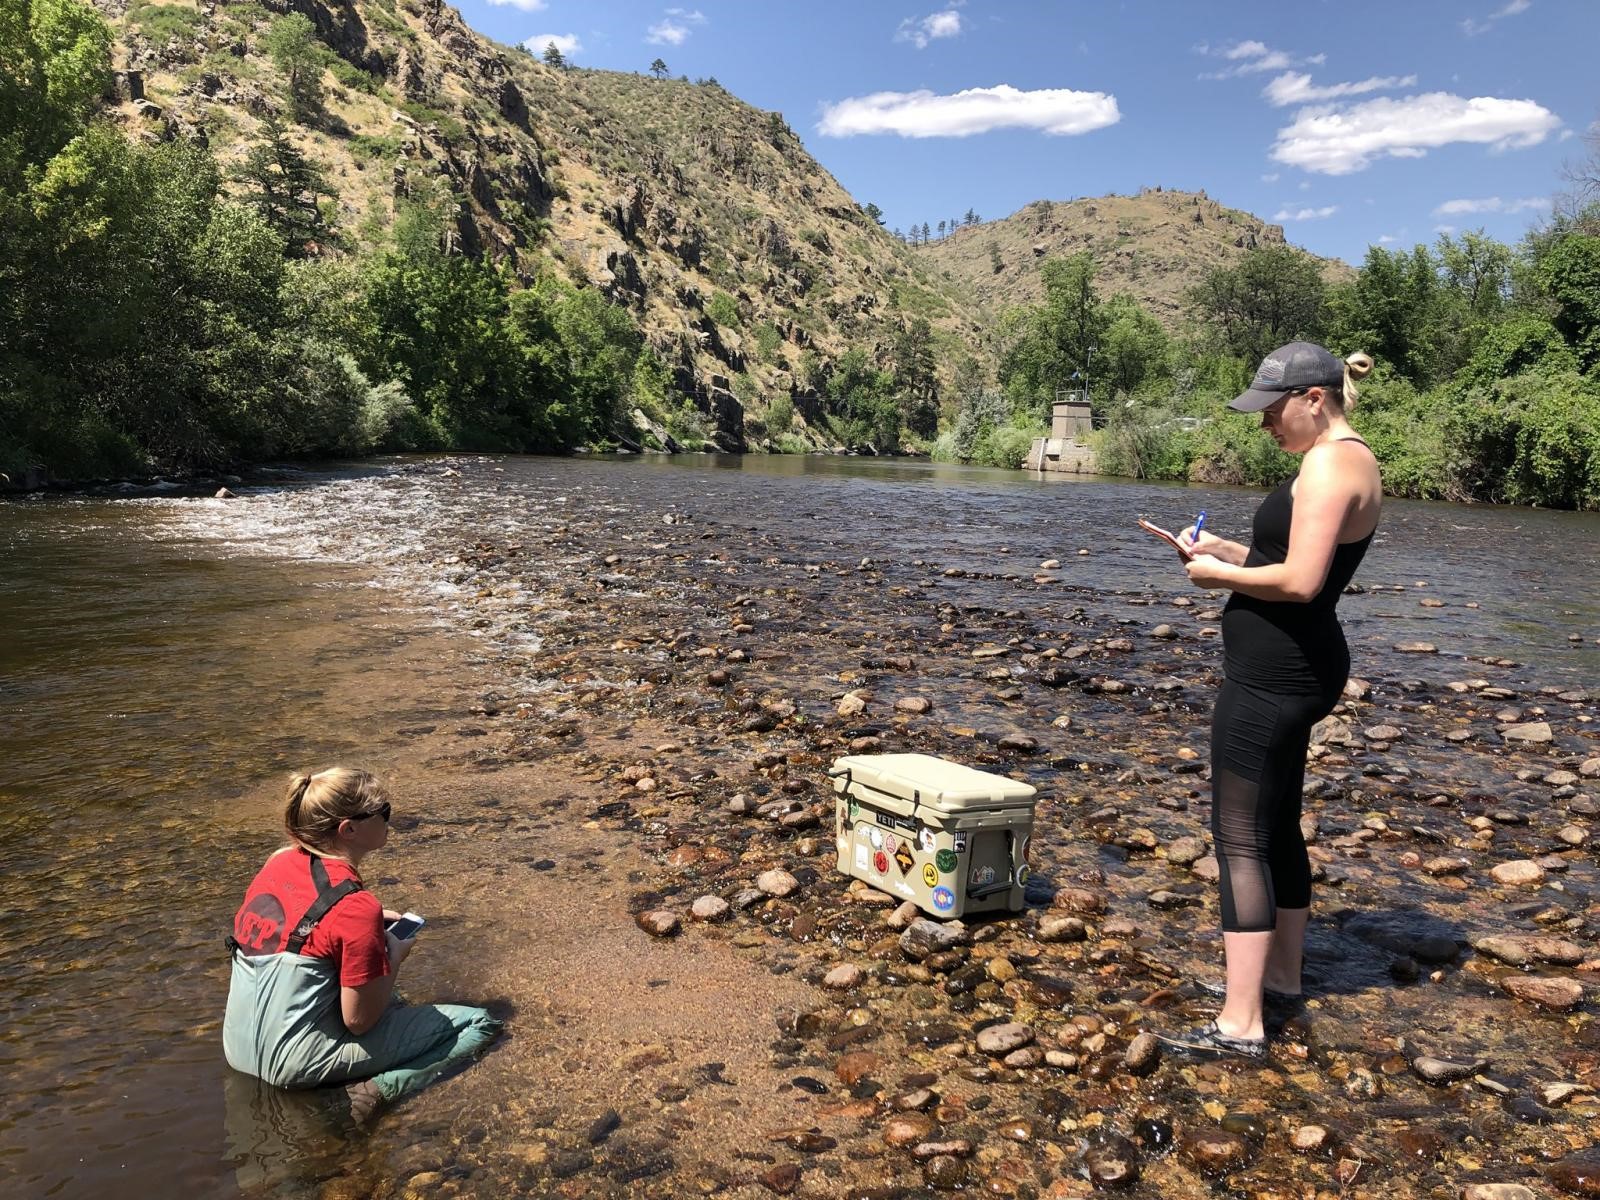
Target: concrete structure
x,y
1066,449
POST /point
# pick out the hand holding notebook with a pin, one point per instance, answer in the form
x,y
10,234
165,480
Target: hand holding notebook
x,y
1171,539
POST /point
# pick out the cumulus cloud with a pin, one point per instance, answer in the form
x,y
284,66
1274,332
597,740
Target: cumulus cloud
x,y
524,5
1295,87
1385,239
567,43
919,31
1490,204
673,29
1336,140
1513,8
1305,214
976,110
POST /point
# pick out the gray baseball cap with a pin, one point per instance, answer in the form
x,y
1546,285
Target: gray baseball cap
x,y
1297,365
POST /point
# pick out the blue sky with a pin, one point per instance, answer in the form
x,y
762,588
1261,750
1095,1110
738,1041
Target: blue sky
x,y
1348,123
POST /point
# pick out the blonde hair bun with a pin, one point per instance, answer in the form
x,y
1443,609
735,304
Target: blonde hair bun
x,y
1357,366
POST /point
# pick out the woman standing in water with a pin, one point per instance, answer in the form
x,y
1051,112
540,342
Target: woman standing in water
x,y
311,1000
1286,664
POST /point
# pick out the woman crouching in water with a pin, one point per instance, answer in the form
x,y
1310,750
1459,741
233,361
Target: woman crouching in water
x,y
311,1001
1285,667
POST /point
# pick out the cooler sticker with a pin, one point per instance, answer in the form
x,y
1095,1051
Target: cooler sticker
x,y
875,835
880,863
1022,875
855,808
945,860
889,844
904,859
862,856
944,899
929,875
925,838
982,876
961,841
904,888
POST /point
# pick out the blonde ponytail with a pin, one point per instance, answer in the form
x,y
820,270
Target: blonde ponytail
x,y
317,803
1357,366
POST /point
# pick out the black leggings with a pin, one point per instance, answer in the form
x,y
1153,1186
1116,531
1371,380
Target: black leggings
x,y
1258,769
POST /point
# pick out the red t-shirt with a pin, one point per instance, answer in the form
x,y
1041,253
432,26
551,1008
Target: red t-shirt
x,y
351,934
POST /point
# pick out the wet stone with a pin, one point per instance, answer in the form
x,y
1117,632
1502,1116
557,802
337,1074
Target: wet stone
x,y
782,1179
1440,1071
1004,1038
1142,1055
1062,929
923,938
1310,1139
659,922
1112,1162
842,977
1577,1174
945,1172
1498,1191
1547,992
907,1129
1517,872
777,882
1215,1152
710,908
1186,850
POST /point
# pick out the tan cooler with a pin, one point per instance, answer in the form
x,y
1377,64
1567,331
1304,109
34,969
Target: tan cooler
x,y
946,837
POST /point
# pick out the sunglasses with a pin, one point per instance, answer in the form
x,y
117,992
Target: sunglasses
x,y
381,811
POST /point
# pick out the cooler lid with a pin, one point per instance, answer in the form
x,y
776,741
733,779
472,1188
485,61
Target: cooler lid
x,y
935,782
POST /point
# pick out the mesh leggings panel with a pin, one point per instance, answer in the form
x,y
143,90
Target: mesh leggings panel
x,y
1258,767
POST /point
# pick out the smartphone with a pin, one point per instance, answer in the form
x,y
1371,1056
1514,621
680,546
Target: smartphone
x,y
406,927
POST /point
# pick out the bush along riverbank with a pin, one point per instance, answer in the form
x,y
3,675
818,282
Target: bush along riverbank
x,y
1449,1037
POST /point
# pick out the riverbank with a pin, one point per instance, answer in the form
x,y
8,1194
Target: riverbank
x,y
607,689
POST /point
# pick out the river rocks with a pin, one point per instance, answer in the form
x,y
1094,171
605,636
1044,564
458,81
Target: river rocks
x,y
781,1179
1416,648
1577,1174
710,908
1184,851
1113,1162
1498,1191
1215,1152
923,938
945,1172
913,704
659,922
1517,872
1078,900
907,1129
855,1066
1004,1038
1142,1055
1309,1139
1382,733
777,882
1062,929
851,704
1441,1071
842,978
1548,992
1532,733
1520,951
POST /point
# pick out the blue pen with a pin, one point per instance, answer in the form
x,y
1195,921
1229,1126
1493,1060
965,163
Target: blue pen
x,y
1199,524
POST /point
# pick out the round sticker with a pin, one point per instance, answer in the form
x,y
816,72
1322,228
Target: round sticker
x,y
945,860
880,863
875,836
925,839
889,844
1022,875
944,899
929,875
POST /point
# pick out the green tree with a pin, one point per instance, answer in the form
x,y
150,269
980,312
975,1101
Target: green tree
x,y
1051,343
286,188
1134,349
876,213
292,44
916,380
1273,295
1570,274
860,398
553,56
658,68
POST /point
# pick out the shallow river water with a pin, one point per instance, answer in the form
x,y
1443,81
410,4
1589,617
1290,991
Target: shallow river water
x,y
516,642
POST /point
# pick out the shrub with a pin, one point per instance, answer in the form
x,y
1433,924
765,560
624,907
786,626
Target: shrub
x,y
724,310
1004,446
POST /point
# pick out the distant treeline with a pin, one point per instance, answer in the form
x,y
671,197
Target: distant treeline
x,y
1487,385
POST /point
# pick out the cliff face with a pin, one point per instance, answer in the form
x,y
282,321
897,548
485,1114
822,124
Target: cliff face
x,y
744,260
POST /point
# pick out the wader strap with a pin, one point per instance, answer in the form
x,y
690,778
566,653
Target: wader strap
x,y
327,897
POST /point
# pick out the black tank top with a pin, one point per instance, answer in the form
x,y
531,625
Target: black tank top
x,y
1286,645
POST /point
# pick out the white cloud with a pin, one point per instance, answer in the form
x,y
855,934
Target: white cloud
x,y
1295,87
567,43
1305,214
667,33
919,31
1270,177
692,15
1512,8
1250,59
524,5
1385,239
1336,140
976,110
1490,204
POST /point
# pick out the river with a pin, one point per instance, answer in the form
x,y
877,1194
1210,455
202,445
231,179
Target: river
x,y
491,632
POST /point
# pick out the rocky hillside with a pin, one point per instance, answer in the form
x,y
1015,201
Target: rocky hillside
x,y
1152,246
748,266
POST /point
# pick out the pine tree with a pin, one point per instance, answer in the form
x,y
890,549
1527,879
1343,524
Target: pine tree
x,y
292,43
553,56
926,232
941,228
658,68
285,187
